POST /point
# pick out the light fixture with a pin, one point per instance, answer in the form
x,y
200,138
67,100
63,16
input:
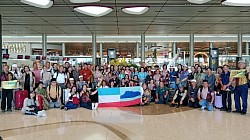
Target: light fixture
x,y
84,1
39,3
236,2
135,10
198,1
93,10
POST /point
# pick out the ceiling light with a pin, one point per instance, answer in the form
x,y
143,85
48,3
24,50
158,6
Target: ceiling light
x,y
83,1
135,10
236,2
93,10
198,1
39,3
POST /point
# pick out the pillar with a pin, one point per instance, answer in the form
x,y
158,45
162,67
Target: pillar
x,y
191,49
44,45
211,45
137,50
247,48
239,50
1,44
101,51
174,49
93,49
143,48
63,49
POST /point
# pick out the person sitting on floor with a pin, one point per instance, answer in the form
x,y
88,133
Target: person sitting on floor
x,y
54,94
206,97
180,96
161,94
73,101
146,97
30,106
42,92
192,95
85,101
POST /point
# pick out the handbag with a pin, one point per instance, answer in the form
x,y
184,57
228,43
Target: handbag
x,y
85,99
76,101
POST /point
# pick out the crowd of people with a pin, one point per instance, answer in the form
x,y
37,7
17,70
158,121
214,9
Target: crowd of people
x,y
69,87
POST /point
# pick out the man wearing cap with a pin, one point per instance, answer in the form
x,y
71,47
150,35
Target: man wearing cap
x,y
241,90
192,94
180,96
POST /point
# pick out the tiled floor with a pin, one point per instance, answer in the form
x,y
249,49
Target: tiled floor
x,y
154,122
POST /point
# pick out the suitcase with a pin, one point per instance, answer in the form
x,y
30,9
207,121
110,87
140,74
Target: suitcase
x,y
40,100
218,101
66,95
19,98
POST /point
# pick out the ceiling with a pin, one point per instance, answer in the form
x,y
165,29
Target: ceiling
x,y
165,17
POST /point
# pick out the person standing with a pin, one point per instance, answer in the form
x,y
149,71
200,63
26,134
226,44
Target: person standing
x,y
37,74
225,90
241,90
6,93
210,78
86,73
28,79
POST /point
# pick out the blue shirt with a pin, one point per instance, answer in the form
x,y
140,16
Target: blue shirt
x,y
142,75
172,73
225,78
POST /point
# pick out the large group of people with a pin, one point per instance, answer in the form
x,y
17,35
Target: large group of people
x,y
69,87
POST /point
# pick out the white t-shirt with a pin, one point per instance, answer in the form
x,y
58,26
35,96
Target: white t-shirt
x,y
60,77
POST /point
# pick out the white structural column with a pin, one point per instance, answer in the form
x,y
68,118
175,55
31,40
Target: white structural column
x,y
63,49
174,49
247,48
239,50
44,45
191,49
137,50
93,49
101,51
211,45
143,48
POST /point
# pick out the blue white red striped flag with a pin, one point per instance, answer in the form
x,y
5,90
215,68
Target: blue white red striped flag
x,y
119,97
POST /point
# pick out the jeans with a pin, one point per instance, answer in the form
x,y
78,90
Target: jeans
x,y
54,105
227,100
62,86
173,85
241,91
162,100
7,94
194,104
70,105
87,105
204,103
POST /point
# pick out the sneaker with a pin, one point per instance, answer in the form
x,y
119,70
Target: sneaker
x,y
9,110
229,111
65,108
96,106
93,106
44,115
40,113
243,113
223,109
3,111
203,108
235,111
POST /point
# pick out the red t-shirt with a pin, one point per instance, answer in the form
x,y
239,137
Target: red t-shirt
x,y
86,73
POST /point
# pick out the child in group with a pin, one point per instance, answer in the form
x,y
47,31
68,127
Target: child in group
x,y
146,97
30,106
42,92
73,101
152,87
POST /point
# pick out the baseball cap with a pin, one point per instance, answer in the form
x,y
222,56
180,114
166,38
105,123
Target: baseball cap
x,y
80,76
241,61
193,80
71,79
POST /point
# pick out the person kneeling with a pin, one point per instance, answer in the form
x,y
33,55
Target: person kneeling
x,y
192,95
30,106
180,96
73,101
206,97
146,97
